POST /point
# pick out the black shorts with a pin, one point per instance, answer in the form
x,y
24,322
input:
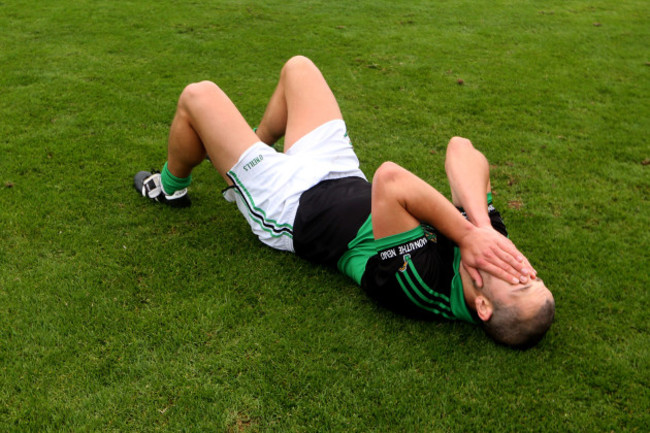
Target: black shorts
x,y
329,216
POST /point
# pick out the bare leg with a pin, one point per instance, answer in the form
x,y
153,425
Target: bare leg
x,y
302,101
206,120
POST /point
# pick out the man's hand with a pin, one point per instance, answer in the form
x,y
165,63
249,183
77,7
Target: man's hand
x,y
488,250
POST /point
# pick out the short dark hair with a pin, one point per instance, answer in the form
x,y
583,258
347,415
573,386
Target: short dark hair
x,y
506,327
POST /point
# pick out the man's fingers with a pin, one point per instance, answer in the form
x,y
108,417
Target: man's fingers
x,y
532,273
474,275
499,272
509,254
515,258
492,252
509,268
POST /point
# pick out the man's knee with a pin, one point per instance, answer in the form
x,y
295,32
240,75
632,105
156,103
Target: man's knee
x,y
195,93
197,90
458,142
297,64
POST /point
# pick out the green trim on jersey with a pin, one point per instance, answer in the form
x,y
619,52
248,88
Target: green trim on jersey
x,y
458,305
353,262
400,238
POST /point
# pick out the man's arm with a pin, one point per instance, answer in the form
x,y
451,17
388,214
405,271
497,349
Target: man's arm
x,y
468,172
469,178
401,200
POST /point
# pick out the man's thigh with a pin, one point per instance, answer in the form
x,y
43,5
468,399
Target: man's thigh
x,y
222,129
310,101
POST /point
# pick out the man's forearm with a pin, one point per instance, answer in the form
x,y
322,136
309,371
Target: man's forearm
x,y
428,205
469,178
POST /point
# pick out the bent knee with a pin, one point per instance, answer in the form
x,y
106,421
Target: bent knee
x,y
457,142
196,94
298,63
196,90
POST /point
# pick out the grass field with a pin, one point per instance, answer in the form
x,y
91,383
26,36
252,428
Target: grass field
x,y
119,315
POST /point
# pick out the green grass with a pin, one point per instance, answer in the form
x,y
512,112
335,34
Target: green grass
x,y
117,315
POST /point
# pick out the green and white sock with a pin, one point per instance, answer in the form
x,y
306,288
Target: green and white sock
x,y
171,183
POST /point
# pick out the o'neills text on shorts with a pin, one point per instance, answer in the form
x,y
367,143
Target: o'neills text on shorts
x,y
403,249
253,162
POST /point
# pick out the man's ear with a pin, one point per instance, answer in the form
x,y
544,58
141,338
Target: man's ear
x,y
483,308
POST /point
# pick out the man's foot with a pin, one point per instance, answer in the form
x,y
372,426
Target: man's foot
x,y
148,185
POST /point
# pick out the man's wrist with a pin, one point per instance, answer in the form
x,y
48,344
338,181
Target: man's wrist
x,y
482,222
466,232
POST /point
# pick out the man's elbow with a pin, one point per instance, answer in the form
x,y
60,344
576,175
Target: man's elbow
x,y
388,182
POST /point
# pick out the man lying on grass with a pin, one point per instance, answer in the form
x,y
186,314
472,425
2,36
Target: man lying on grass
x,y
408,247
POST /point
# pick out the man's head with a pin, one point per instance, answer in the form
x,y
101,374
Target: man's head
x,y
515,315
